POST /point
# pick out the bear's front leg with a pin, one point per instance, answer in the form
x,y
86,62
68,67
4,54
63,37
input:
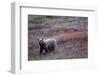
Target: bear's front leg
x,y
41,51
46,51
